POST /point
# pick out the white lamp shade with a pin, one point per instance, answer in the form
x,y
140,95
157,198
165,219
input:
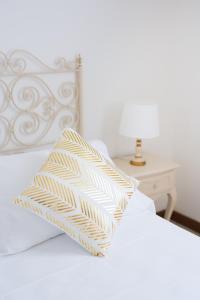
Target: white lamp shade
x,y
140,121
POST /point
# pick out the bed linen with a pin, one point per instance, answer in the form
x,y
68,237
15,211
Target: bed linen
x,y
161,261
27,263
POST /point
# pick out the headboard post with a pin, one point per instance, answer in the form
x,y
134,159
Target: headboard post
x,y
78,60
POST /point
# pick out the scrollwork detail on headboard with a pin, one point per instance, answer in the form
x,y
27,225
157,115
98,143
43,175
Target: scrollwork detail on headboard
x,y
30,107
24,62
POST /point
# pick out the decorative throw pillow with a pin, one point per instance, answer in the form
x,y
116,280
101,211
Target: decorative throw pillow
x,y
37,230
80,192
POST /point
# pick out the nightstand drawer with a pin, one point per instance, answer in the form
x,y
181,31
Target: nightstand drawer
x,y
157,184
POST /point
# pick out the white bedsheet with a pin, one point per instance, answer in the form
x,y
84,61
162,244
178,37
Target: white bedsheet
x,y
155,260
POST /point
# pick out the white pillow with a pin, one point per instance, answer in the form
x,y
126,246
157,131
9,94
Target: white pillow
x,y
16,172
100,147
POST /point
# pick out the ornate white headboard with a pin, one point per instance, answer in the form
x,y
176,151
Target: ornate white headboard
x,y
36,100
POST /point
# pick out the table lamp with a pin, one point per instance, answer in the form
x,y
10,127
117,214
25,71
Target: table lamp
x,y
140,122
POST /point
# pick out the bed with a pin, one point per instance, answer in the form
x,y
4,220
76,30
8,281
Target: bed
x,y
150,257
160,261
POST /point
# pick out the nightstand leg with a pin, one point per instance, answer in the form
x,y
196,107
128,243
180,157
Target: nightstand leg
x,y
172,196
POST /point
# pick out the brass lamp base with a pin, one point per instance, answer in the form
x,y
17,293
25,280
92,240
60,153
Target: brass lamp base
x,y
138,160
138,163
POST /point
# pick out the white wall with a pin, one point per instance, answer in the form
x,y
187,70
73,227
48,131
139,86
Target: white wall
x,y
130,52
125,48
186,105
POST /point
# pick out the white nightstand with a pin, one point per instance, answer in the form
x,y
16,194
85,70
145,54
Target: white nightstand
x,y
156,178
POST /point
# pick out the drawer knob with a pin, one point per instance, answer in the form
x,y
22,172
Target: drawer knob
x,y
155,186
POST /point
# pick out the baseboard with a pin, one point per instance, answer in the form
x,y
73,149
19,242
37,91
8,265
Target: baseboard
x,y
183,220
161,213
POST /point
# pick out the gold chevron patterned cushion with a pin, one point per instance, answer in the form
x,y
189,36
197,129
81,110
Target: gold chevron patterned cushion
x,y
79,191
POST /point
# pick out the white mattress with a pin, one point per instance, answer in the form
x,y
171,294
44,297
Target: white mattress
x,y
150,259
